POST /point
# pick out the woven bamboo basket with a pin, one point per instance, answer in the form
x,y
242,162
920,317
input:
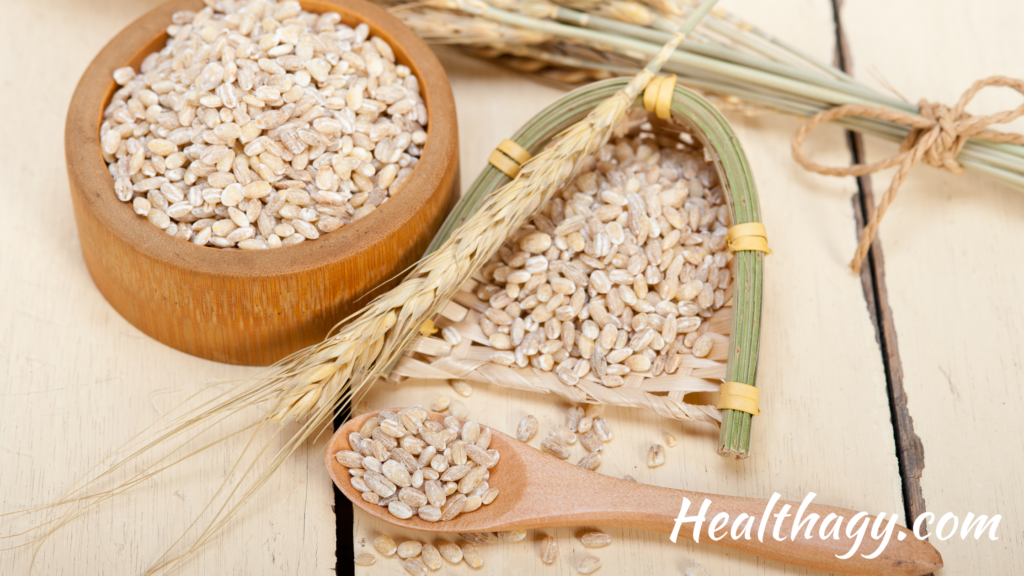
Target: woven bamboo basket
x,y
735,327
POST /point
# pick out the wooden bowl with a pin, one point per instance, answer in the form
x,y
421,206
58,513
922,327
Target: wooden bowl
x,y
256,307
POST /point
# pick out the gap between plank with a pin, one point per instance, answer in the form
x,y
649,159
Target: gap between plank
x,y
909,450
343,516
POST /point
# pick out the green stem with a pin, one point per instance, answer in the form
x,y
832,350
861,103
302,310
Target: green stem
x,y
711,50
641,50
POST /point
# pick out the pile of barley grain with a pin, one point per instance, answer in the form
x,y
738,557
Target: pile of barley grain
x,y
416,466
587,425
620,270
417,557
261,125
587,564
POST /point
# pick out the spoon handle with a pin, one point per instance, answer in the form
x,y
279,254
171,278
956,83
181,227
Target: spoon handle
x,y
604,501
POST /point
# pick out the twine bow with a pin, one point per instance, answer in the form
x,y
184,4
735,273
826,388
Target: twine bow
x,y
937,135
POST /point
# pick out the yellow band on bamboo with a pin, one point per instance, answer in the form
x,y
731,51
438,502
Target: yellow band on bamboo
x,y
749,236
504,163
651,93
658,96
509,157
515,151
739,396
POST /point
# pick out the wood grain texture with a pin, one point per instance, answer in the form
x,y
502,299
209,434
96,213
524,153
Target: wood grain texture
x,y
537,490
952,271
77,380
910,452
826,423
266,304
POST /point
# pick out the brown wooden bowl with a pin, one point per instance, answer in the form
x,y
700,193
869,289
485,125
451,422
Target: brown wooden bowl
x,y
254,307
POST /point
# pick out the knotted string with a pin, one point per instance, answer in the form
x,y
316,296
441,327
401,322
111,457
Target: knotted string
x,y
937,135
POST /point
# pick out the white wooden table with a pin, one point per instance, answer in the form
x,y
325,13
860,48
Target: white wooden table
x,y
77,380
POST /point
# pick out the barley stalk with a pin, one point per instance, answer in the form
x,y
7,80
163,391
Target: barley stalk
x,y
312,384
734,63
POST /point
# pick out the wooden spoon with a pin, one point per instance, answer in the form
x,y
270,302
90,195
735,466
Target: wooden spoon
x,y
538,490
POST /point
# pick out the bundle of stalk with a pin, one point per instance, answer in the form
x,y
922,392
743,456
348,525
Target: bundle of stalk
x,y
730,61
313,384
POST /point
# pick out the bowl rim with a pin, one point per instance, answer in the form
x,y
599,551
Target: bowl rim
x,y
146,34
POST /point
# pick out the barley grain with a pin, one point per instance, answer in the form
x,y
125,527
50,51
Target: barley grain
x,y
440,404
450,551
490,495
591,461
702,346
588,565
585,425
470,431
555,448
385,545
563,434
411,549
397,477
655,456
591,441
593,540
414,497
458,409
435,493
637,256
478,537
431,557
358,483
215,122
453,473
365,559
400,510
573,417
471,554
349,459
549,550
511,536
472,503
470,481
414,566
454,505
484,440
451,335
527,428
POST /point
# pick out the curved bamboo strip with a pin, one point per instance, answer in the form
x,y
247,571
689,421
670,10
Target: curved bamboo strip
x,y
664,395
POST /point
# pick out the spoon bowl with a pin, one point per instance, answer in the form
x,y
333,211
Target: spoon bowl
x,y
506,476
538,490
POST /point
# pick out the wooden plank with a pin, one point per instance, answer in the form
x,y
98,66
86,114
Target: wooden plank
x,y
820,366
950,281
76,380
910,452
